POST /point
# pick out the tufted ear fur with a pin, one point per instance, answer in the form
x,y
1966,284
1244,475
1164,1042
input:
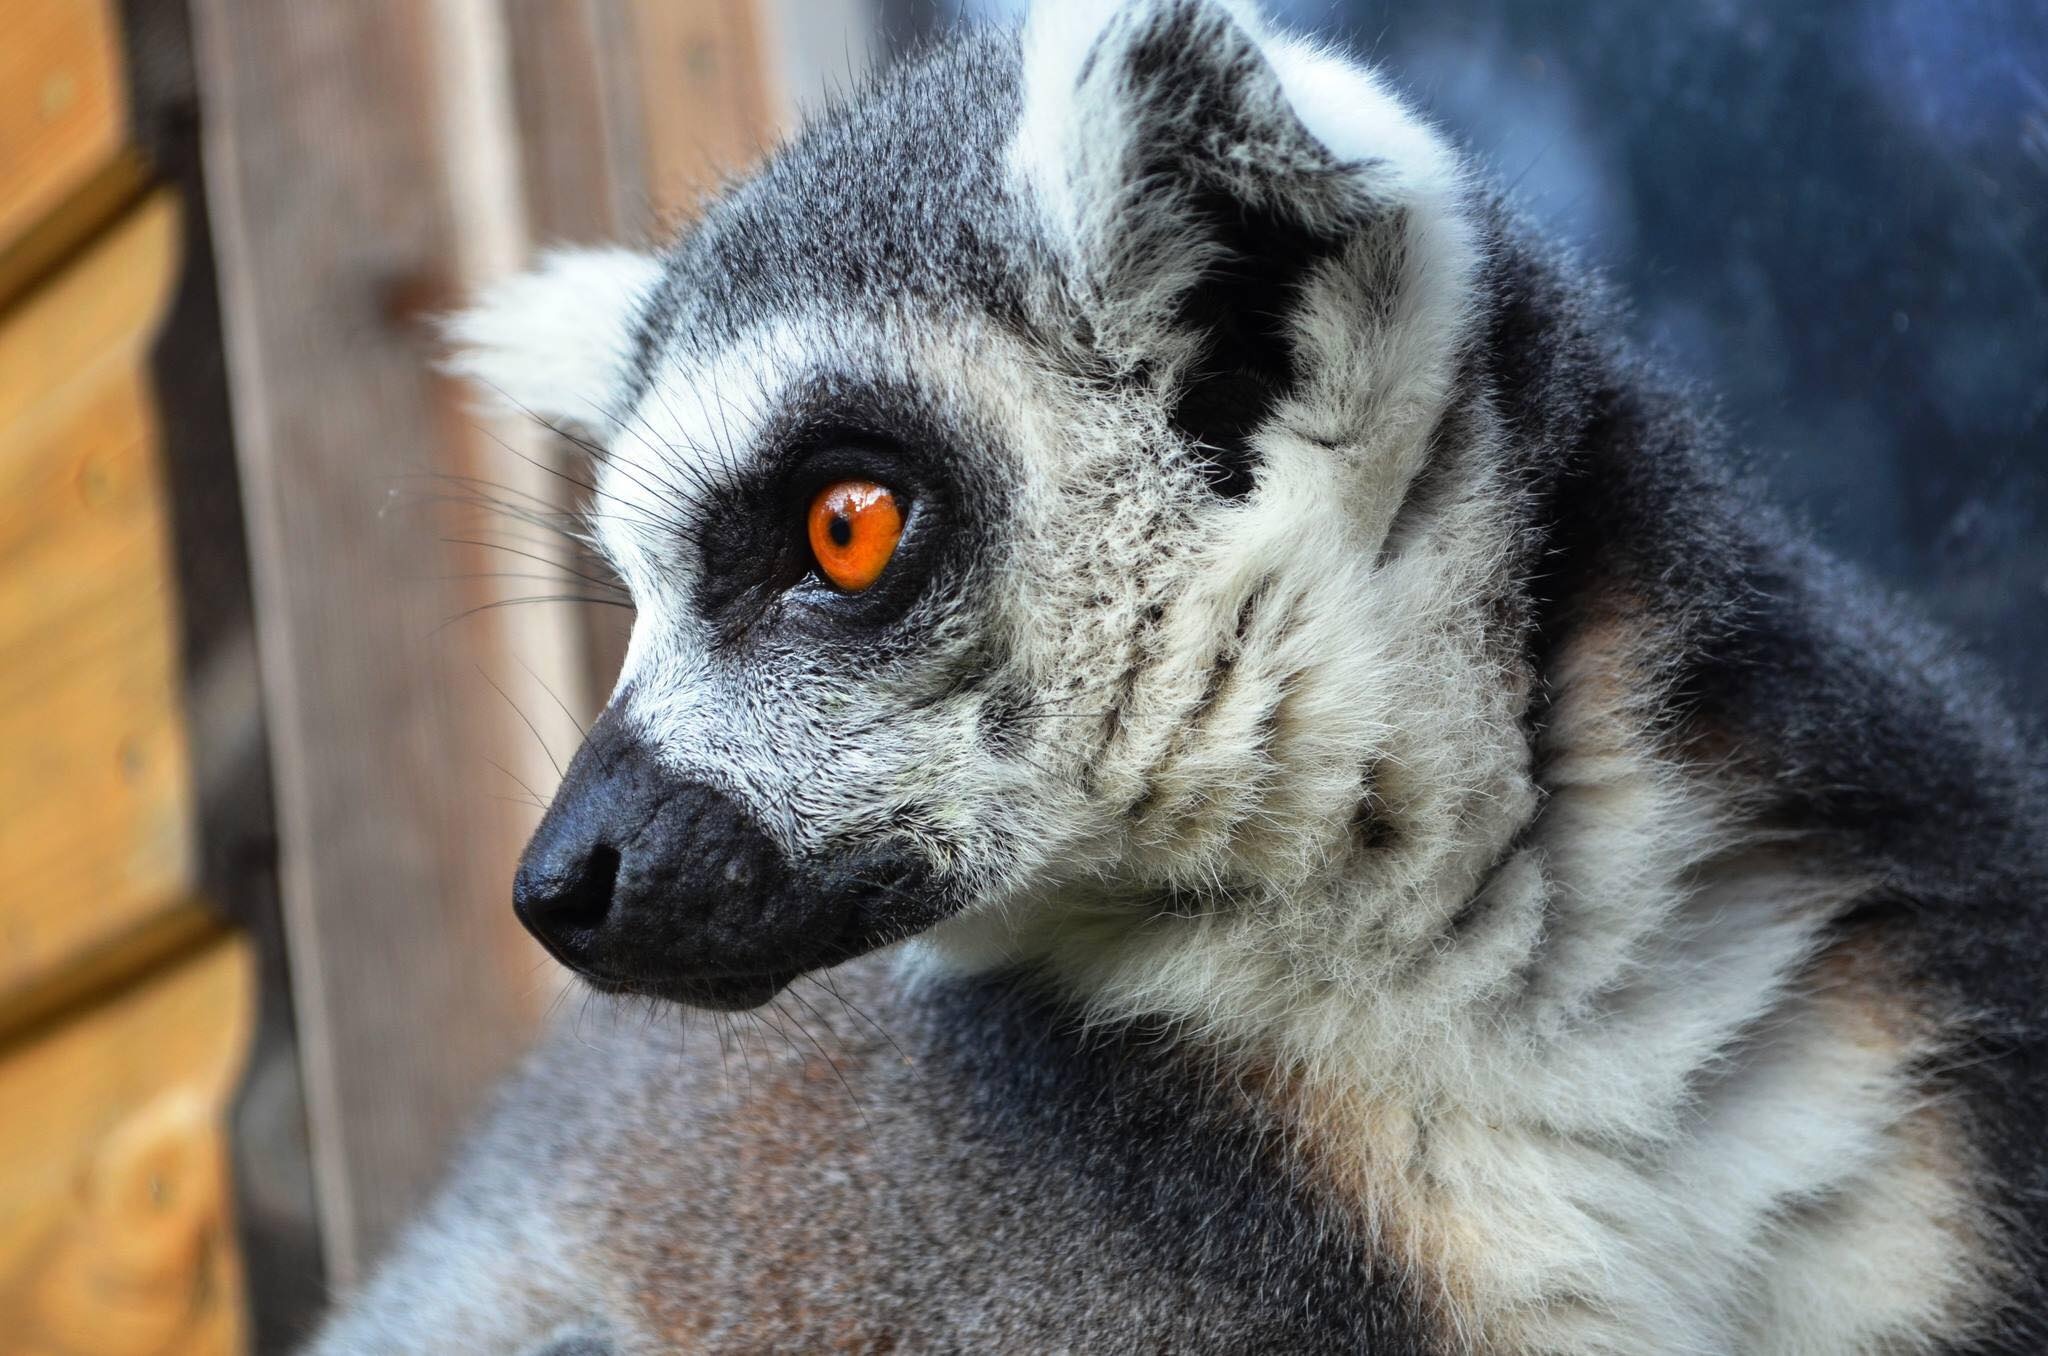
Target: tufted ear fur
x,y
1204,176
557,342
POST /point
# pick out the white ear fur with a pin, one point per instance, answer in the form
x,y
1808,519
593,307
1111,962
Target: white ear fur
x,y
1285,126
1314,127
1114,91
557,342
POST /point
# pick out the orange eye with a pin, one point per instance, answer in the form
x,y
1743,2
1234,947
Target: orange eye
x,y
855,525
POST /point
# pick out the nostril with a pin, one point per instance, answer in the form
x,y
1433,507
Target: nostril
x,y
561,904
589,897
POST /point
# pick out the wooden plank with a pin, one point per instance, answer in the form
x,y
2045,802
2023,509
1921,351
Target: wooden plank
x,y
484,106
333,189
46,243
284,1281
95,810
629,115
709,103
63,111
575,92
92,317
116,1239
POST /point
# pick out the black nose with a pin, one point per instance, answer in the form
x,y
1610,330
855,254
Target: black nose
x,y
649,881
645,880
563,892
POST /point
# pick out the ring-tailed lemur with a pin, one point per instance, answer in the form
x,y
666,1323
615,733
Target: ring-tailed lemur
x,y
1373,840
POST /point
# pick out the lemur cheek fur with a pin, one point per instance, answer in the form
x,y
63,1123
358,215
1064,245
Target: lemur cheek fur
x,y
1372,839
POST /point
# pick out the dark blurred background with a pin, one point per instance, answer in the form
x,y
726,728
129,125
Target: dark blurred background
x,y
1831,215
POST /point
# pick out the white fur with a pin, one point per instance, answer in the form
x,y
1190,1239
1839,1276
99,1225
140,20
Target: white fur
x,y
556,342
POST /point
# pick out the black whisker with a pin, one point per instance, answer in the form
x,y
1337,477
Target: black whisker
x,y
531,727
537,598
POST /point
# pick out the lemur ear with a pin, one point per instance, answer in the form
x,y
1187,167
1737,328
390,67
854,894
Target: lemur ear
x,y
1199,170
557,342
1138,115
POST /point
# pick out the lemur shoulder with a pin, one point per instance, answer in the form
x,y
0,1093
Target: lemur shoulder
x,y
1264,784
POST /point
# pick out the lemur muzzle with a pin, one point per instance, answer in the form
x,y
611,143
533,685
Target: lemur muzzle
x,y
647,882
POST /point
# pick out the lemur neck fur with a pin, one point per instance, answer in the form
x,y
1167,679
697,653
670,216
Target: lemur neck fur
x,y
1567,928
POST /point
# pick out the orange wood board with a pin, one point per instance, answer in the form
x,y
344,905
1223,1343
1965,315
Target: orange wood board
x,y
95,806
116,1234
63,107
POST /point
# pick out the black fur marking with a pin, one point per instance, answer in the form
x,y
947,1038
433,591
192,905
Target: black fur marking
x,y
1241,306
1213,688
1226,659
1438,476
1217,130
1004,721
963,676
1266,731
1372,827
757,580
1126,689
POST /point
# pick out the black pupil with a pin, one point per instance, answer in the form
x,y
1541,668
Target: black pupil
x,y
841,530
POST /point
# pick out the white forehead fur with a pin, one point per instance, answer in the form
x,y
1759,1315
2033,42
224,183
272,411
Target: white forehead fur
x,y
694,426
783,742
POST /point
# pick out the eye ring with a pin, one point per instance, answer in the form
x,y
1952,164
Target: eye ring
x,y
854,528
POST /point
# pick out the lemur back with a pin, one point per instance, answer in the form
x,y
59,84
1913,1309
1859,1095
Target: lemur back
x,y
1336,824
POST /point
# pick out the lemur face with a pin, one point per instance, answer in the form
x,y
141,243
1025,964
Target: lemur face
x,y
1000,477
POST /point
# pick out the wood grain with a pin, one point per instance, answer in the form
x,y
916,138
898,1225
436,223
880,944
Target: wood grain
x,y
575,92
337,235
95,809
709,106
91,318
116,1238
63,109
284,1279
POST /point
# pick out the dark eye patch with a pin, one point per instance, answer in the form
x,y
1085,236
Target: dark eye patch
x,y
758,584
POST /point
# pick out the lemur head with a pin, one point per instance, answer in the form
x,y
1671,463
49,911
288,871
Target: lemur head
x,y
1018,483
